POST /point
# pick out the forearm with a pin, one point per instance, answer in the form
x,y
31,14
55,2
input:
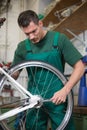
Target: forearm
x,y
77,73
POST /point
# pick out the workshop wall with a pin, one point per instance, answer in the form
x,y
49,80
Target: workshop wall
x,y
11,35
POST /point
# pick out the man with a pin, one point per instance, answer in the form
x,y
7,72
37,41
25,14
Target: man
x,y
56,49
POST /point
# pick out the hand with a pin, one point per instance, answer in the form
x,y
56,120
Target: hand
x,y
59,96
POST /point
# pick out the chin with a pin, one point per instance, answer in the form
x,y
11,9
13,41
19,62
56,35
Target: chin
x,y
35,42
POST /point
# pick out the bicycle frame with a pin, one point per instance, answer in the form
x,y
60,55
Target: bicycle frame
x,y
34,100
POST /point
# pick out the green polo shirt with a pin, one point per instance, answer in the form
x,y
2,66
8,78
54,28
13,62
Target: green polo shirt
x,y
68,51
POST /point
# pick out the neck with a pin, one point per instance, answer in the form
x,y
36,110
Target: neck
x,y
44,33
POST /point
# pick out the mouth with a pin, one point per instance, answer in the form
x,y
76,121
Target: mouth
x,y
35,40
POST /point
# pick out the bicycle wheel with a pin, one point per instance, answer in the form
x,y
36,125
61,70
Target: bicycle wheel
x,y
38,72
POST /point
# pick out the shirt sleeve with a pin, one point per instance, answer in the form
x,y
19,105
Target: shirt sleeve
x,y
70,53
19,55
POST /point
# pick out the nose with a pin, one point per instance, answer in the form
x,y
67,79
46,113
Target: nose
x,y
31,36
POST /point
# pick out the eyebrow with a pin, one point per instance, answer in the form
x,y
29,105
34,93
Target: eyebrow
x,y
27,33
31,32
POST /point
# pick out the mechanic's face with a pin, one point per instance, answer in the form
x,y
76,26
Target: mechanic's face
x,y
34,32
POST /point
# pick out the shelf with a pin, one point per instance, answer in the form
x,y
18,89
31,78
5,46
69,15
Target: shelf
x,y
59,6
77,22
80,110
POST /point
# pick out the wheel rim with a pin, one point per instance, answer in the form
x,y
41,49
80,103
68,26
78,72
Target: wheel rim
x,y
55,72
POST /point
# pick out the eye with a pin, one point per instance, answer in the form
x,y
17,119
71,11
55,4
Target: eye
x,y
34,31
27,34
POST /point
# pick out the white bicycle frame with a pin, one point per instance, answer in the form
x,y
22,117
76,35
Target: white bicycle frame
x,y
34,100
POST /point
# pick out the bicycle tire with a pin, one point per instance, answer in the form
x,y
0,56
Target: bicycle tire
x,y
55,72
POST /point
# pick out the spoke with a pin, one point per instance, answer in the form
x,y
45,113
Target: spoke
x,y
35,121
39,78
34,81
48,85
17,85
50,88
44,83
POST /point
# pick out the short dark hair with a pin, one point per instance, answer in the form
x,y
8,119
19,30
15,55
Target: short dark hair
x,y
26,17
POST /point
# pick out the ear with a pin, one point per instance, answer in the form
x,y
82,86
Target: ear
x,y
40,23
